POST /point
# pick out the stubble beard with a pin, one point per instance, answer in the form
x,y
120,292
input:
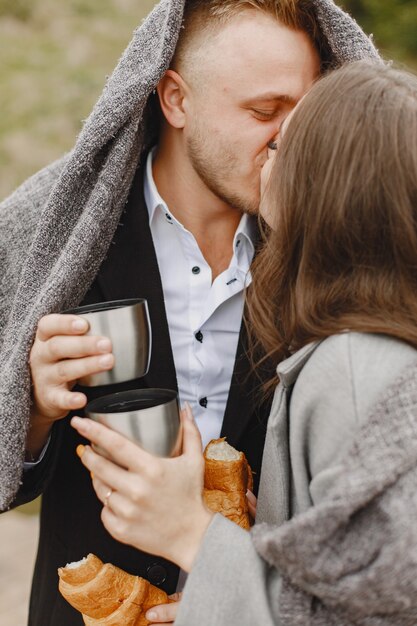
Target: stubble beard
x,y
215,167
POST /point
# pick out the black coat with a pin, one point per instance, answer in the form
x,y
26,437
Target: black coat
x,y
70,515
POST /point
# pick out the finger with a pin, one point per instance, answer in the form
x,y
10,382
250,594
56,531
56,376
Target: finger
x,y
116,501
163,613
117,522
115,477
60,324
57,398
252,501
124,452
70,370
252,511
192,443
102,489
113,500
113,525
175,597
62,347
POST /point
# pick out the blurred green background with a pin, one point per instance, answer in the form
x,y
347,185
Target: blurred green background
x,y
54,58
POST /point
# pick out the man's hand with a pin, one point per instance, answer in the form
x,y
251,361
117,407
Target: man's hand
x,y
60,355
164,613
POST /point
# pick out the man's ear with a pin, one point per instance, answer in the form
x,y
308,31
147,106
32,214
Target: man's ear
x,y
171,92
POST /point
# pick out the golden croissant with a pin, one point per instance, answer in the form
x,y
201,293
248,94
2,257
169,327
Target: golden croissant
x,y
227,477
107,595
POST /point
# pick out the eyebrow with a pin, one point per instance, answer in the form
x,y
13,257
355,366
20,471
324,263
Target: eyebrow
x,y
283,98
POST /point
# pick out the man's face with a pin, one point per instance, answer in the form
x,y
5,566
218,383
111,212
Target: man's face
x,y
254,73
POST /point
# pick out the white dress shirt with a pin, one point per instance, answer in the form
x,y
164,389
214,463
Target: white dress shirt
x,y
204,317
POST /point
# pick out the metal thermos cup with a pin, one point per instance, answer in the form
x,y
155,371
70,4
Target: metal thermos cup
x,y
126,323
150,417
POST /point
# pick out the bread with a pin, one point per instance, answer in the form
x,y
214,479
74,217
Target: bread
x,y
107,595
227,477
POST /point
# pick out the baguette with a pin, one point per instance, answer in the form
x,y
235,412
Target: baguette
x,y
227,477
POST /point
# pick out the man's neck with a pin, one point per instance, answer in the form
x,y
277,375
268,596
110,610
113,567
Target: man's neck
x,y
212,222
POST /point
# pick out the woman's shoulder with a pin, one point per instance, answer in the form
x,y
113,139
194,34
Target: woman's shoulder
x,y
364,347
334,393
354,367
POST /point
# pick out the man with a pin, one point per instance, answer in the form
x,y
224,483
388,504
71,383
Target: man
x,y
185,241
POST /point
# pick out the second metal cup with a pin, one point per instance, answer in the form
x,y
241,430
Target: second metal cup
x,y
150,417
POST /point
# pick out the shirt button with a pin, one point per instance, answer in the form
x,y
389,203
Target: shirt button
x,y
169,218
196,269
199,336
156,574
203,402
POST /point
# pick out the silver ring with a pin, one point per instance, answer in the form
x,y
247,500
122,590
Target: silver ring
x,y
107,496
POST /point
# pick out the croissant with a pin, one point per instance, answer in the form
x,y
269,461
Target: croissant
x,y
227,477
107,595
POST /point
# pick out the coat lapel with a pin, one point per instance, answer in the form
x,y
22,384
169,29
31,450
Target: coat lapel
x,y
131,271
245,396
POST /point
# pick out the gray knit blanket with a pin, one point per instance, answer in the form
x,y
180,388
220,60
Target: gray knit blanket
x,y
352,560
55,230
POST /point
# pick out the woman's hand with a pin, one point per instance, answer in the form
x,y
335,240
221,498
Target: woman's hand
x,y
153,504
164,613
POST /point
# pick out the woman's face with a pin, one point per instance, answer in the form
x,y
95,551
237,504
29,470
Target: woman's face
x,y
269,212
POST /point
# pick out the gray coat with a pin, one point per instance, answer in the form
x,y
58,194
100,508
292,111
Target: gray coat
x,y
341,461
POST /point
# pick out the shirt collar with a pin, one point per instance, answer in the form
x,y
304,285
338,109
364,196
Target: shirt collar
x,y
153,200
245,235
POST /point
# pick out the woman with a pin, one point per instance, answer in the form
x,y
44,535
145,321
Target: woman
x,y
334,301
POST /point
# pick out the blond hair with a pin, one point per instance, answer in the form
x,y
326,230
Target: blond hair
x,y
202,18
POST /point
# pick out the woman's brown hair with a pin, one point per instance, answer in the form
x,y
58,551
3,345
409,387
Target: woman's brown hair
x,y
343,190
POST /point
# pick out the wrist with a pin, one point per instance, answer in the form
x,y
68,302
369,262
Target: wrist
x,y
37,437
42,422
192,540
30,457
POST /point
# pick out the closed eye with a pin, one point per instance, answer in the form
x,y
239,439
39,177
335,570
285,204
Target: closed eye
x,y
264,115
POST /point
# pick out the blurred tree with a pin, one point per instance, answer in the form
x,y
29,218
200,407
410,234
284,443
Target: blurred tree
x,y
54,59
19,9
393,23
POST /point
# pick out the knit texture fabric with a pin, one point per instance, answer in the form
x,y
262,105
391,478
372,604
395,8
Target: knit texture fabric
x,y
351,560
56,228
